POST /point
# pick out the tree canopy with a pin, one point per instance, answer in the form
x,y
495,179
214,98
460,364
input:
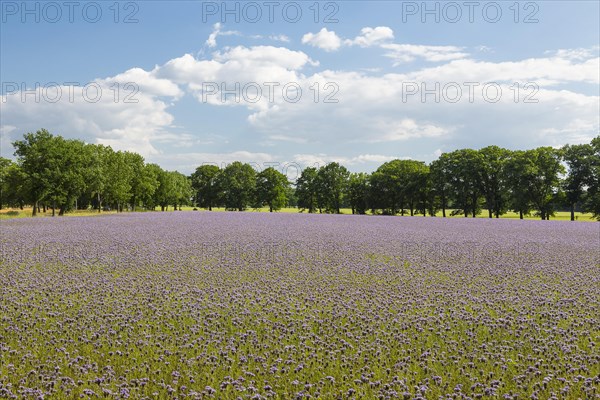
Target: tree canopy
x,y
63,174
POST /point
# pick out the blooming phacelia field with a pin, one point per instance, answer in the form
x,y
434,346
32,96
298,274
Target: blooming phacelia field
x,y
254,305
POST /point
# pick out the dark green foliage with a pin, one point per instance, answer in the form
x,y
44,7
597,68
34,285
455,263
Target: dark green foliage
x,y
61,174
397,185
493,183
592,197
331,183
236,185
358,192
204,184
306,190
271,189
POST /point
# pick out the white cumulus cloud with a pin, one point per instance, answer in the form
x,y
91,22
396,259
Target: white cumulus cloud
x,y
324,39
372,36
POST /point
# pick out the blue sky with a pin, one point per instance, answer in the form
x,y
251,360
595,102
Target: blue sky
x,y
515,74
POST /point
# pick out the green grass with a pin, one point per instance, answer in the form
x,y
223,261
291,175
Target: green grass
x,y
560,215
11,214
25,213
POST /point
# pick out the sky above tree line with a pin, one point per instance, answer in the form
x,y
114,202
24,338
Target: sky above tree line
x,y
360,83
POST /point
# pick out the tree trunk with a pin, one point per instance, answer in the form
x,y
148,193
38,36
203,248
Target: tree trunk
x,y
209,207
543,214
34,211
44,207
270,209
54,208
572,211
443,198
490,213
520,214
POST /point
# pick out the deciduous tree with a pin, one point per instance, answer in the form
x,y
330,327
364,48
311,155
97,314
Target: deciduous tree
x,y
271,189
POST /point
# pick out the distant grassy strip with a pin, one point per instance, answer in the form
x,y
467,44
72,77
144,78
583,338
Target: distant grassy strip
x,y
11,213
560,215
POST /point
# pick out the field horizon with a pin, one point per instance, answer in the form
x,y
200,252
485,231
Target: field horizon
x,y
10,213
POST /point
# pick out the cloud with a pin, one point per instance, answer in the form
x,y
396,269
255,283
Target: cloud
x,y
6,139
407,128
280,38
212,38
139,119
276,38
265,55
381,36
146,82
107,112
318,160
372,112
374,158
324,39
403,53
578,54
371,36
292,139
262,70
573,132
191,160
6,129
330,41
387,115
547,71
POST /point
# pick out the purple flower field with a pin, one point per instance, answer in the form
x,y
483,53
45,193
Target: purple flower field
x,y
258,305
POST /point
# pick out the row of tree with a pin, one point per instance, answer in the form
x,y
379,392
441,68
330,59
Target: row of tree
x,y
238,186
53,172
465,181
499,180
62,174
